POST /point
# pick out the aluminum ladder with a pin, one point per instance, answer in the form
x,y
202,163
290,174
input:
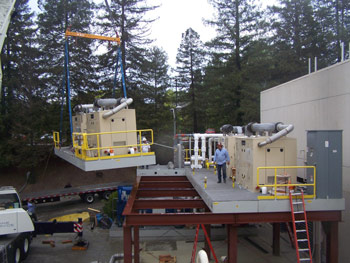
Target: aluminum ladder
x,y
300,227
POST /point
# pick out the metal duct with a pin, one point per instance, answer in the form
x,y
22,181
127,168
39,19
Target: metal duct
x,y
282,131
83,107
108,102
118,108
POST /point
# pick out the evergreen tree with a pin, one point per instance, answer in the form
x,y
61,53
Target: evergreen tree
x,y
56,17
154,112
295,38
189,60
22,121
334,27
128,19
237,23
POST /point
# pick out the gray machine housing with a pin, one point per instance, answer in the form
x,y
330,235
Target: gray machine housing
x,y
324,150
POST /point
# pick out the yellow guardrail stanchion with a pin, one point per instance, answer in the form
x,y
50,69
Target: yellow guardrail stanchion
x,y
288,185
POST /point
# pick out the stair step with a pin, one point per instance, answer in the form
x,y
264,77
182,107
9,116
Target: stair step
x,y
300,221
302,240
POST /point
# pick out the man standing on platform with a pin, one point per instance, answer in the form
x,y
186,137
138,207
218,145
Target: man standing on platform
x,y
221,157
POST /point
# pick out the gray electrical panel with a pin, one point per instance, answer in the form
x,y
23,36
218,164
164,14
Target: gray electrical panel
x,y
325,152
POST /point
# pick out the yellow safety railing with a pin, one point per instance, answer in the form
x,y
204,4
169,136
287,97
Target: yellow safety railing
x,y
56,139
87,146
287,185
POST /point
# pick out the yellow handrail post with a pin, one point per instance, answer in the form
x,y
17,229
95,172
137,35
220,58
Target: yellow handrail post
x,y
98,146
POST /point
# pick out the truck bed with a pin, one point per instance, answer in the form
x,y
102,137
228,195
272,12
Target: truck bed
x,y
72,191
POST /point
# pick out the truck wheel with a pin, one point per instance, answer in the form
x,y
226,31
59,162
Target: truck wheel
x,y
17,251
25,247
89,198
106,195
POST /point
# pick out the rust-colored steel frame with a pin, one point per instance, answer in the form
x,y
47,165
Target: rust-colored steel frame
x,y
176,192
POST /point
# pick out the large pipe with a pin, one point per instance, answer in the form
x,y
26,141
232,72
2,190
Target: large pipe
x,y
196,157
83,107
283,129
118,108
108,102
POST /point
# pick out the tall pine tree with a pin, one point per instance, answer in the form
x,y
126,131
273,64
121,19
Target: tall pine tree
x,y
190,62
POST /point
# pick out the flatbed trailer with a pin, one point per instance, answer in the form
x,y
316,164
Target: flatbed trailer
x,y
87,193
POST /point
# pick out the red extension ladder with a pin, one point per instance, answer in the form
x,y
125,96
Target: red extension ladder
x,y
300,227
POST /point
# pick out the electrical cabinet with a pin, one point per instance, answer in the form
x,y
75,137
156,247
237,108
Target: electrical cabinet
x,y
324,150
230,145
249,156
79,122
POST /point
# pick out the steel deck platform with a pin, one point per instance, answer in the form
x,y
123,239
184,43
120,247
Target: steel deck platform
x,y
66,154
222,198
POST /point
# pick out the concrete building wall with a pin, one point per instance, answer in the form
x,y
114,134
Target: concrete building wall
x,y
318,101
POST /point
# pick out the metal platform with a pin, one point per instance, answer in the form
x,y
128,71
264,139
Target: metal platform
x,y
222,198
95,165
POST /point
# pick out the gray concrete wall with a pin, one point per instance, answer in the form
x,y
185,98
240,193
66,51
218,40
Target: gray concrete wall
x,y
318,101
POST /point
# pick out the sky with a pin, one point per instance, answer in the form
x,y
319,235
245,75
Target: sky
x,y
175,16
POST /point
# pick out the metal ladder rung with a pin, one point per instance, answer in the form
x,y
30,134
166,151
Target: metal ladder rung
x,y
298,212
300,221
300,230
302,240
303,249
304,259
297,203
296,194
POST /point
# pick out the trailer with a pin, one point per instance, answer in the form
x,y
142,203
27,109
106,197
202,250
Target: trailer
x,y
87,193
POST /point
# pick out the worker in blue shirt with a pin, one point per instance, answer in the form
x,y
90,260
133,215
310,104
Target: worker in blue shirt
x,y
221,157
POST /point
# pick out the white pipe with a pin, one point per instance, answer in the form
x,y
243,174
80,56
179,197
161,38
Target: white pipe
x,y
210,149
309,65
315,64
283,130
202,257
204,149
342,51
196,137
118,108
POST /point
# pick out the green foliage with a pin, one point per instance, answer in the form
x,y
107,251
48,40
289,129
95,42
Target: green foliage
x,y
110,206
215,83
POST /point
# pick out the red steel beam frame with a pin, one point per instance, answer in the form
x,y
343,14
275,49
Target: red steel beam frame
x,y
134,219
167,193
166,185
163,178
168,203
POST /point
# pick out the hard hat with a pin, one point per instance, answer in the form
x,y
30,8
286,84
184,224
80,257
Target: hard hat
x,y
144,139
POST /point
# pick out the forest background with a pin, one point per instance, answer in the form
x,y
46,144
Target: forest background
x,y
213,83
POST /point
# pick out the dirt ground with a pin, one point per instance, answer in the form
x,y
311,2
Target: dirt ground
x,y
57,173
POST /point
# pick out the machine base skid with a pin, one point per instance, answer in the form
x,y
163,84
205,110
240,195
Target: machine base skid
x,y
97,165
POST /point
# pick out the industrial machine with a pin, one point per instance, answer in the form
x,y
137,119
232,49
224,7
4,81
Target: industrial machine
x,y
105,123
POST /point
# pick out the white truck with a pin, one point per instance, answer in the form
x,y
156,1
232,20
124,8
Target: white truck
x,y
16,227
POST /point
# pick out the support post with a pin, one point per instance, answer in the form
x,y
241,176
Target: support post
x,y
127,244
232,243
332,242
276,239
136,244
206,244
